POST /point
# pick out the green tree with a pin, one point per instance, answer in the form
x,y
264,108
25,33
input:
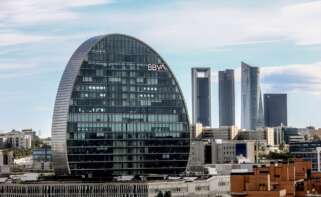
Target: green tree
x,y
282,146
20,153
36,142
279,156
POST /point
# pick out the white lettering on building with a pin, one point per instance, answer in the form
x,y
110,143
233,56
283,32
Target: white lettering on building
x,y
157,67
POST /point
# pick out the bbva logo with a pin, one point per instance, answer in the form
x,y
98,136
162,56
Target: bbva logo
x,y
157,67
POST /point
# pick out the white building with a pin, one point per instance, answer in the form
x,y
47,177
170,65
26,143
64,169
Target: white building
x,y
213,186
218,151
229,151
15,139
6,161
197,151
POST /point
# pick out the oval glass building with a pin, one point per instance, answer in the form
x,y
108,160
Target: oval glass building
x,y
119,111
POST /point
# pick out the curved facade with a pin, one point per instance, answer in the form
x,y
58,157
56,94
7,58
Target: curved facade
x,y
252,115
119,111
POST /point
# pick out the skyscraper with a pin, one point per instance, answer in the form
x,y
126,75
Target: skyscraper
x,y
226,98
252,115
201,96
275,110
119,111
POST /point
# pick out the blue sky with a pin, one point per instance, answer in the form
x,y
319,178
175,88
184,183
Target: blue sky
x,y
282,37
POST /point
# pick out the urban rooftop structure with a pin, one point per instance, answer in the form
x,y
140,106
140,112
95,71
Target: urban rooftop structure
x,y
283,179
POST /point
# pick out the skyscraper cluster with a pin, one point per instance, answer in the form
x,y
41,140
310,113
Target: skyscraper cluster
x,y
253,115
120,111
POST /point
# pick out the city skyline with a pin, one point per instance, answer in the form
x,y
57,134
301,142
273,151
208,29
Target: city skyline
x,y
36,47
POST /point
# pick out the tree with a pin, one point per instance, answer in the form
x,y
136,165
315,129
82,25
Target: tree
x,y
279,156
36,142
282,146
168,194
316,137
20,153
160,194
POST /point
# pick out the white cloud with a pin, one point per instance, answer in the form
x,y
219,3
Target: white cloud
x,y
14,66
181,25
292,78
17,14
190,25
80,3
13,38
302,22
33,12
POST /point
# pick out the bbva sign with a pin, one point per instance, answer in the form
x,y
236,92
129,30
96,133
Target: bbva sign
x,y
156,67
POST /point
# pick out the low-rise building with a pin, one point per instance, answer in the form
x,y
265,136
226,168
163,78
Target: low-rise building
x,y
42,153
197,130
218,151
42,158
292,134
306,150
278,136
220,169
288,179
30,132
230,151
296,138
287,135
183,187
197,152
224,132
269,135
15,139
6,161
213,186
266,134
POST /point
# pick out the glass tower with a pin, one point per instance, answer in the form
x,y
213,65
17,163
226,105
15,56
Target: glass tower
x,y
201,96
275,110
252,114
119,111
226,98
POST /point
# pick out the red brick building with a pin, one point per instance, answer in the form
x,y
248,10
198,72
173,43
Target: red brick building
x,y
283,179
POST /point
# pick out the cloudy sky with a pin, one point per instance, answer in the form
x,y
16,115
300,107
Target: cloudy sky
x,y
37,38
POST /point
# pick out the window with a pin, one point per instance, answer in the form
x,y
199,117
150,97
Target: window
x,y
140,80
87,79
99,72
